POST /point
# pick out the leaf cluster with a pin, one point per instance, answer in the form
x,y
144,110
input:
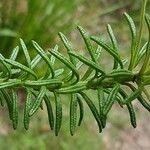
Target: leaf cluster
x,y
110,86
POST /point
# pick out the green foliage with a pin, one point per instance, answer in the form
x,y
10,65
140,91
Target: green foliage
x,y
109,85
38,20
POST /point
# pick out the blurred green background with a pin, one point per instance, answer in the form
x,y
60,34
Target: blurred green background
x,y
41,20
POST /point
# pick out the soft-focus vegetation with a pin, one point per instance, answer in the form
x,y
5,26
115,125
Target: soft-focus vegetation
x,y
34,20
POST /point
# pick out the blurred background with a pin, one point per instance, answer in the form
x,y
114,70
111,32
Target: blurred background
x,y
41,20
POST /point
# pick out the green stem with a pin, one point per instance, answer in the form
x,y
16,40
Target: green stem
x,y
147,56
143,10
58,86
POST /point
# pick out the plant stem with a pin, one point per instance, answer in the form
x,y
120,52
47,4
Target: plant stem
x,y
143,10
58,85
147,56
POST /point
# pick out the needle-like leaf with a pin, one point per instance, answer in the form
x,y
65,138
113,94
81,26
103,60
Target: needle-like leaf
x,y
35,106
73,113
58,119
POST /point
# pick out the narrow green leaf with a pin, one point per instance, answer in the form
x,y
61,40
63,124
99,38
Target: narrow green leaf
x,y
26,53
44,56
15,71
140,98
98,52
14,53
111,99
101,100
67,63
8,101
112,37
132,114
93,109
134,36
1,99
20,66
58,120
73,113
132,29
114,42
141,53
49,111
119,98
7,67
35,61
81,108
90,70
87,42
133,95
145,65
53,58
15,109
49,83
121,74
123,93
10,83
87,74
68,77
110,50
59,72
124,62
88,62
27,109
73,88
35,106
68,46
144,102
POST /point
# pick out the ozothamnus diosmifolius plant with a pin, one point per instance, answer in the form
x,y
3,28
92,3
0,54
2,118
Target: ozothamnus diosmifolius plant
x,y
110,86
